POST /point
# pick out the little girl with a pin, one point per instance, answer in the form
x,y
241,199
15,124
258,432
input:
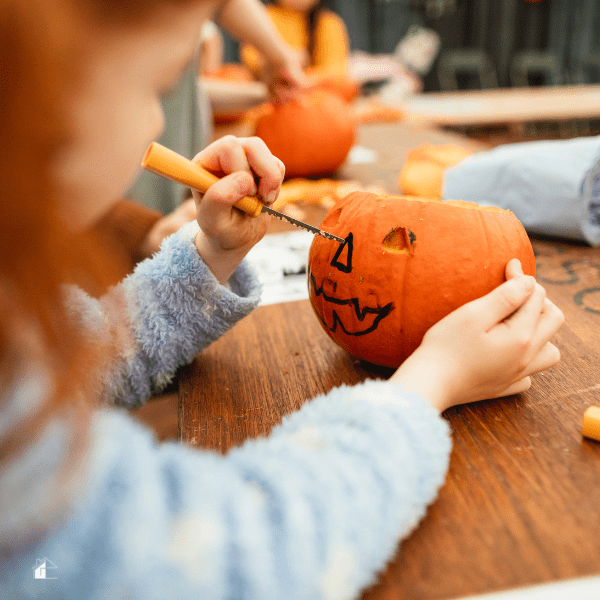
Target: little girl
x,y
319,35
90,505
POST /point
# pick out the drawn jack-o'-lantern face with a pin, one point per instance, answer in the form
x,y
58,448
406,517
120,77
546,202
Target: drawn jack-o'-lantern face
x,y
405,264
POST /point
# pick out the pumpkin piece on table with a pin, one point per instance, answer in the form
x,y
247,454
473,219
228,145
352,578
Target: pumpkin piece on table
x,y
423,171
312,134
407,262
321,192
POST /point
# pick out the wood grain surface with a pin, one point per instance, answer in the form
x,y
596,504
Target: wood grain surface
x,y
521,503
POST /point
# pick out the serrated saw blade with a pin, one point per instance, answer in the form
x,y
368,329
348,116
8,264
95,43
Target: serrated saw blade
x,y
306,226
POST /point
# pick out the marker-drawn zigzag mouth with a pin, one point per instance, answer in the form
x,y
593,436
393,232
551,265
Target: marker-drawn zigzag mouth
x,y
361,314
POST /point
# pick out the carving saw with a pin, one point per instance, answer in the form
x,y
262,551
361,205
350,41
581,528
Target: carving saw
x,y
173,166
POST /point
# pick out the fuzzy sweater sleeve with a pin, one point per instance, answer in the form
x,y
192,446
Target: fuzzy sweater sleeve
x,y
161,316
311,512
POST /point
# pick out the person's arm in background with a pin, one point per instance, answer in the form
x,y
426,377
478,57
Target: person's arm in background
x,y
248,21
211,49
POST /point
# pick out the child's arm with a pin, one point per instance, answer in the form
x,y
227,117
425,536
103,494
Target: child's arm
x,y
314,511
175,304
248,21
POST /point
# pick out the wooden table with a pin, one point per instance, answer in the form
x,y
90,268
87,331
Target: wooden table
x,y
521,503
505,106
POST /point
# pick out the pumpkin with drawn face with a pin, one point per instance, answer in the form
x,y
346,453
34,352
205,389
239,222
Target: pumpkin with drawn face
x,y
406,263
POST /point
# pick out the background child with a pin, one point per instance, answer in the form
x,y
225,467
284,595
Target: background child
x,y
187,106
312,511
318,35
133,224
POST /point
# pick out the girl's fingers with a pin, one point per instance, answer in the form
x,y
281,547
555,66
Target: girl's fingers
x,y
265,166
225,156
223,194
281,168
522,385
230,155
513,268
546,318
525,319
550,321
503,301
547,357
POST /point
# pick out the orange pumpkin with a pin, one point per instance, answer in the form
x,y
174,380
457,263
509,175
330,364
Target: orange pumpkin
x,y
406,263
311,135
347,89
423,171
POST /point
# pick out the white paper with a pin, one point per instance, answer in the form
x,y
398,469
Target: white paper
x,y
360,155
586,588
280,261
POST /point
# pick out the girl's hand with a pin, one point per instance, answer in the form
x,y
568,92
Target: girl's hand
x,y
247,168
488,348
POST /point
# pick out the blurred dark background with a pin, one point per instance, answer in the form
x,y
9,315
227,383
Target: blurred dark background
x,y
484,43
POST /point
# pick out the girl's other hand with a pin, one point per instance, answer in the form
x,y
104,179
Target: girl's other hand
x,y
247,168
488,348
166,226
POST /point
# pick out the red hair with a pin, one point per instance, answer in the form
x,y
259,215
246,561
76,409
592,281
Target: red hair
x,y
34,246
40,41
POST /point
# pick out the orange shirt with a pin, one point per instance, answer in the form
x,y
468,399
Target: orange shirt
x,y
331,45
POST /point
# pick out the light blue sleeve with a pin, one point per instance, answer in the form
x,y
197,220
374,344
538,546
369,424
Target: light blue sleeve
x,y
311,512
161,316
552,187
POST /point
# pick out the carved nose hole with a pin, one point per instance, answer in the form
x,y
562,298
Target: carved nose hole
x,y
400,240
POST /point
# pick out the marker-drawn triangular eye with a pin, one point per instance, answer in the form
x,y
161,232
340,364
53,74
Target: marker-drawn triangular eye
x,y
342,260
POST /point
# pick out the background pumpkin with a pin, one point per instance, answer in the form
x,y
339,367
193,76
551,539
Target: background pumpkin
x,y
311,135
406,264
347,89
423,171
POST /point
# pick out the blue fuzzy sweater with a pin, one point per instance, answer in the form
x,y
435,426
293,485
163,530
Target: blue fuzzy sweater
x,y
312,511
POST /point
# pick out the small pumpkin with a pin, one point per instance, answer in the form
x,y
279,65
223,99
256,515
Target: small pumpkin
x,y
312,134
423,171
347,89
406,263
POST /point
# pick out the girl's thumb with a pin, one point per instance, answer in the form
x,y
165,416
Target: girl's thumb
x,y
508,297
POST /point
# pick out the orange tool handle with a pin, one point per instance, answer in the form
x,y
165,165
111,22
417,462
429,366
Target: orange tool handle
x,y
173,166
